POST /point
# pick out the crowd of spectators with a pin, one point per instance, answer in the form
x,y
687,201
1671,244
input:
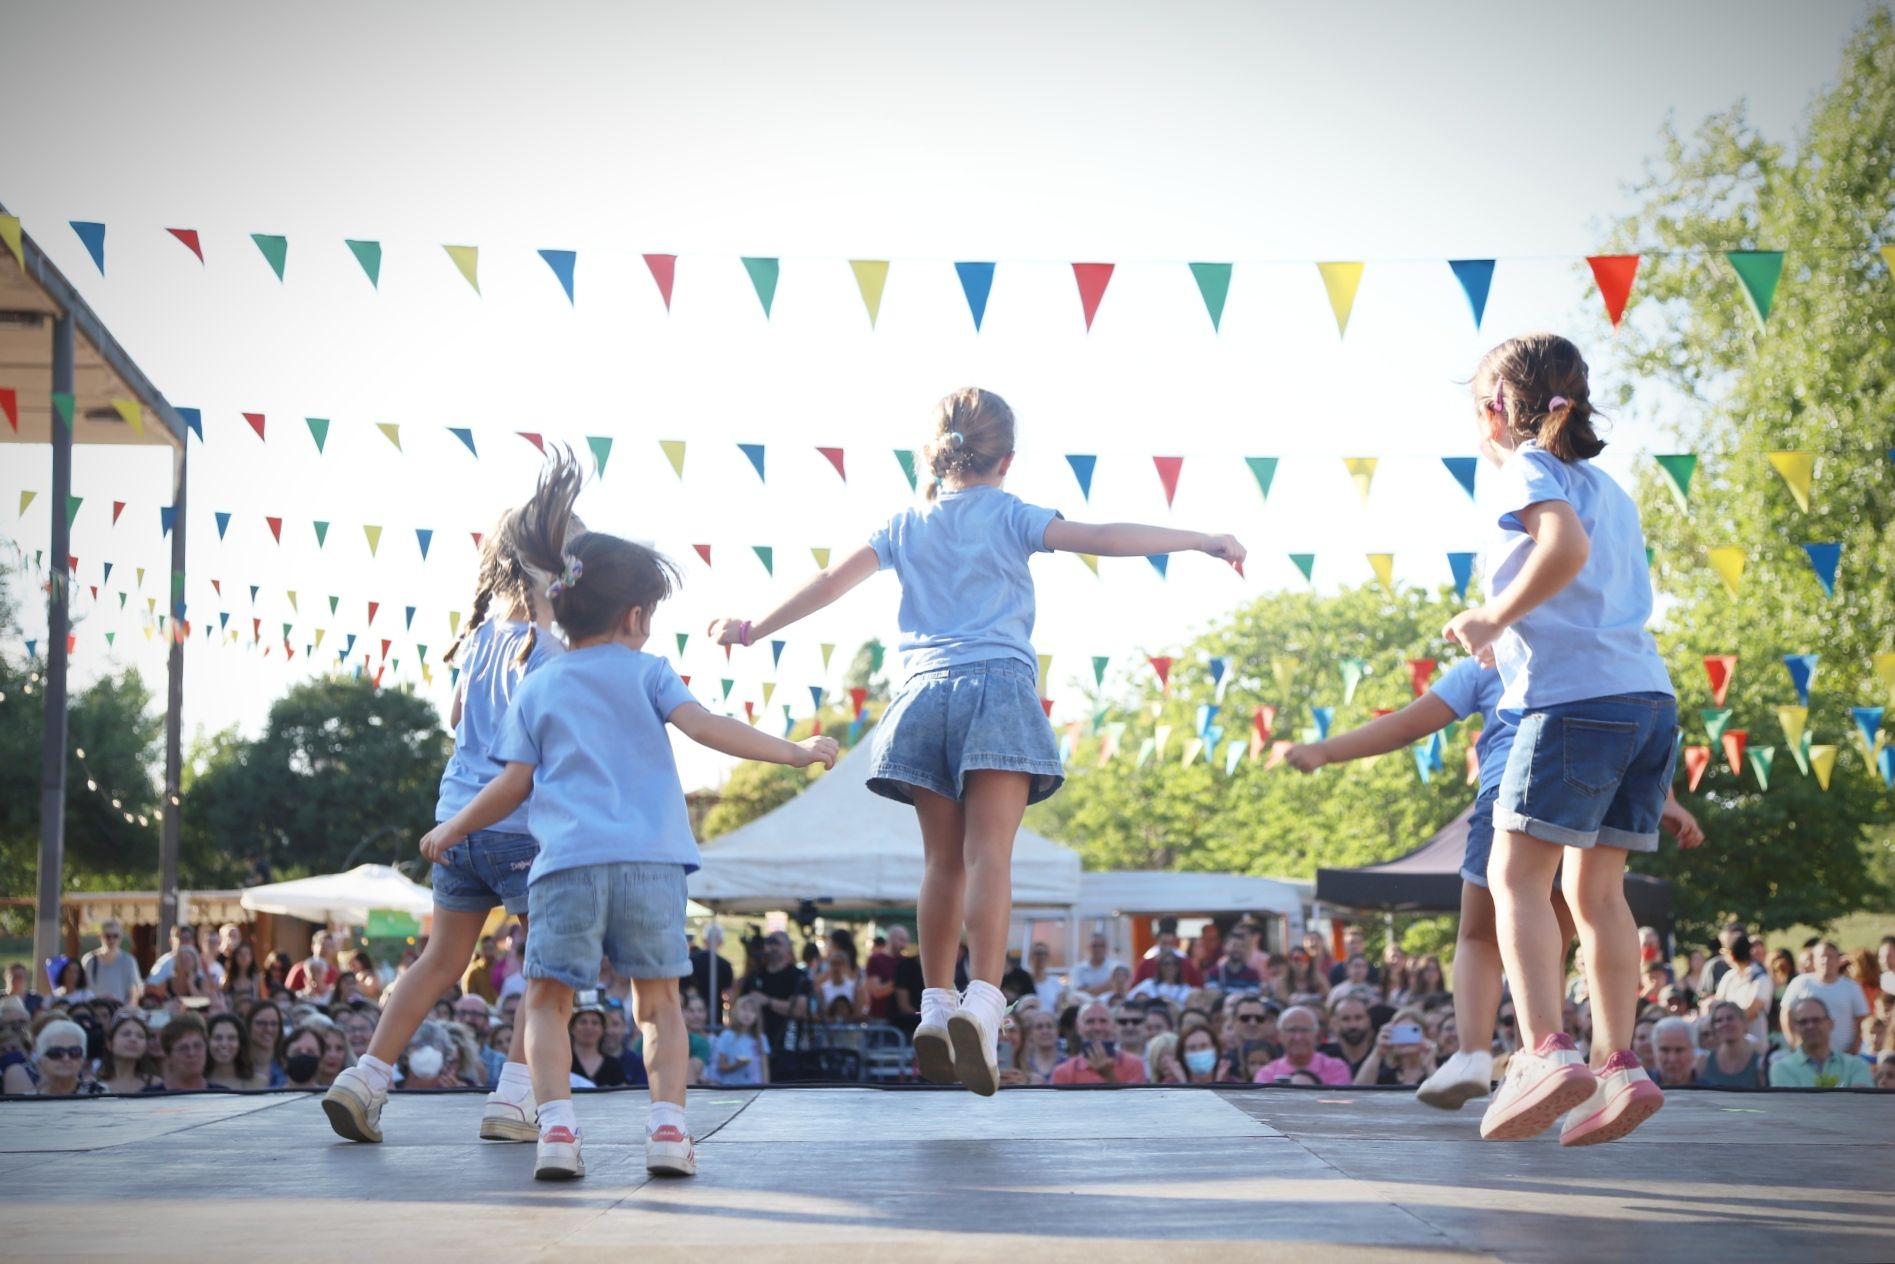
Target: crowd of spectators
x,y
1218,1010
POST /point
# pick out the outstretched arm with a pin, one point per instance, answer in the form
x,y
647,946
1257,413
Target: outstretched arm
x,y
807,600
1133,539
1426,714
499,797
734,737
1560,551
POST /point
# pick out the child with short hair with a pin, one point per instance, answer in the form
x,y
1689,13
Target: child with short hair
x,y
1595,741
965,740
585,737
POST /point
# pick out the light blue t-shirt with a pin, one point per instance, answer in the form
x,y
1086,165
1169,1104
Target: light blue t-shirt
x,y
1588,640
966,594
490,672
605,785
1468,688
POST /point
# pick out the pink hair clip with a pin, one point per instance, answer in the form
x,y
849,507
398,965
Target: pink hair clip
x,y
1558,401
1498,404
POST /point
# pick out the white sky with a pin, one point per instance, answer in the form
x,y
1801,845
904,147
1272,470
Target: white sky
x,y
1268,135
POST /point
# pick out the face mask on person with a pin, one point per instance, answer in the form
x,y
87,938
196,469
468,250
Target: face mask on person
x,y
301,1067
426,1062
1200,1061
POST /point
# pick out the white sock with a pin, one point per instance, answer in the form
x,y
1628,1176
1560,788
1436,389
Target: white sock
x,y
557,1114
937,1004
663,1113
516,1083
988,1003
378,1073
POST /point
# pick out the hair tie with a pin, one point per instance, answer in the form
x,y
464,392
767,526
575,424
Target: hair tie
x,y
568,578
955,439
1558,401
1498,404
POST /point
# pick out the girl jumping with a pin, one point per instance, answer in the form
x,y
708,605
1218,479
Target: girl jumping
x,y
1594,743
966,741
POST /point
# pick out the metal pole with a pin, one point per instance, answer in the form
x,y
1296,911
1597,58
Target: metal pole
x,y
52,797
168,910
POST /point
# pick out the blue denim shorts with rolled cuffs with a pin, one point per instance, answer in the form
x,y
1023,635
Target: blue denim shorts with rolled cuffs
x,y
1591,773
965,718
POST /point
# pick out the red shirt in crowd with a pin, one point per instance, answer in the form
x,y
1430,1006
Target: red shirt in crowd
x,y
1129,1068
881,967
1193,977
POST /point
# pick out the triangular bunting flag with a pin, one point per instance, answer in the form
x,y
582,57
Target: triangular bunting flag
x,y
374,535
1162,665
1168,470
870,276
674,453
601,446
1083,465
776,661
1462,468
1092,279
256,421
1324,717
1802,669
1823,559
1882,664
131,414
92,234
424,536
1340,281
1283,671
63,405
466,436
1383,564
374,608
1475,276
72,513
1716,720
1868,724
1729,564
1719,668
1304,562
1420,670
1099,662
977,282
322,534
319,431
767,556
10,234
905,457
561,262
193,421
391,431
683,637
1678,469
1362,472
535,438
275,248
1696,760
1759,271
1799,473
1091,561
118,507
1263,469
467,261
664,269
1761,758
1160,562
754,451
1353,669
408,625
1461,566
763,273
1214,284
1822,762
369,255
10,406
834,457
1795,722
223,522
1614,275
1734,741
822,558
703,551
167,518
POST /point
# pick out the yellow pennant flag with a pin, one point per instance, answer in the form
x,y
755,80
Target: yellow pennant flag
x,y
467,259
374,535
1794,720
1341,279
827,650
1383,564
391,432
1888,252
453,622
1362,470
1046,665
26,498
674,453
1885,672
822,558
1799,471
1284,671
1162,735
134,415
141,576
291,594
427,674
151,605
1091,560
1729,564
320,633
10,234
769,687
870,276
1822,761
1192,749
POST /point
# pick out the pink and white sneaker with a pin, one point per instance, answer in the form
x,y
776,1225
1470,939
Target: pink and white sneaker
x,y
1539,1088
1625,1098
558,1157
668,1152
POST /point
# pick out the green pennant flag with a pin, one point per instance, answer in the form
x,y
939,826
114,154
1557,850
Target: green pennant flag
x,y
728,685
333,601
1098,668
1214,284
767,556
72,509
1679,468
1715,721
121,601
62,404
682,638
318,430
1800,753
322,538
1761,758
1263,469
1651,555
1305,562
601,449
111,636
369,255
906,457
763,273
275,248
1759,271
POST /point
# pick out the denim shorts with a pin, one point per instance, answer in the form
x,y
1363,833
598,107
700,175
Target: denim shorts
x,y
1591,772
955,720
487,868
1480,838
629,912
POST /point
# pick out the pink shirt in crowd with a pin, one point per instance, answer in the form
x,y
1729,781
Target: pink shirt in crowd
x,y
1326,1069
1129,1066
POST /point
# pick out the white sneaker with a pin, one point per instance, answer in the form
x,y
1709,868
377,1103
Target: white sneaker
x,y
668,1152
503,1120
975,1028
1458,1081
558,1157
354,1107
934,1055
1539,1088
1625,1098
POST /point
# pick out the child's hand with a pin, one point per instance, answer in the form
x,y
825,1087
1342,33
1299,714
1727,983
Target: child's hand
x,y
1225,547
435,842
728,631
819,750
1681,825
1476,630
1306,758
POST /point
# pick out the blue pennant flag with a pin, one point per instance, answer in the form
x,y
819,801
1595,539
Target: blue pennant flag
x,y
1082,470
561,261
409,624
346,649
108,574
1437,747
1159,561
465,435
167,515
32,650
223,523
1475,276
424,536
1802,669
1220,663
223,620
1325,716
193,421
1463,467
1868,719
93,235
1424,760
977,280
1886,762
815,696
1823,559
1462,567
755,452
1207,712
776,653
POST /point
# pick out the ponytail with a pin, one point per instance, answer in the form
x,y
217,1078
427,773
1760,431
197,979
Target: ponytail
x,y
972,434
1537,386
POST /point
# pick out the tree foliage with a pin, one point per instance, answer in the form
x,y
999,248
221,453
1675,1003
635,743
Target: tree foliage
x,y
1819,377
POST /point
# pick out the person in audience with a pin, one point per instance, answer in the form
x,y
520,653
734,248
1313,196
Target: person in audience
x,y
335,1052
1816,1063
59,1067
1356,982
698,1044
1732,1061
1167,980
1397,975
1039,1047
1747,985
1428,979
1783,970
300,1055
127,1067
276,972
112,971
1841,996
1885,1071
1233,972
1859,966
1129,1020
368,983
1098,1059
587,1029
243,977
265,1025
839,981
1674,1052
1162,1065
1202,1054
1354,1032
186,1050
1302,1061
1402,1054
358,1027
741,1053
432,1059
227,1051
1094,975
1167,945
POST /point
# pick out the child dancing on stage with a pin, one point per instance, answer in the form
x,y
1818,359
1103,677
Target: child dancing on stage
x,y
1595,740
965,739
490,867
586,737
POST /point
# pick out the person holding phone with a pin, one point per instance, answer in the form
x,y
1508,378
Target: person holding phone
x,y
1403,1053
1099,1060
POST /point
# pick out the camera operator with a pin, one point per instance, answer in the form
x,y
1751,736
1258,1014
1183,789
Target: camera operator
x,y
783,990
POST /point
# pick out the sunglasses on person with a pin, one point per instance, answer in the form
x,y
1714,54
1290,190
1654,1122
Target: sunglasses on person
x,y
1131,1022
66,1052
1252,1018
112,934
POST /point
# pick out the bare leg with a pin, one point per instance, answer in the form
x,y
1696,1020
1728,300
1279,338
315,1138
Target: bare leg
x,y
1476,971
939,908
995,803
1521,873
516,1048
545,1013
667,1048
440,967
1595,887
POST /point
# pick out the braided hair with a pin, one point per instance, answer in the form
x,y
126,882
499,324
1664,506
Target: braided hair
x,y
972,433
505,574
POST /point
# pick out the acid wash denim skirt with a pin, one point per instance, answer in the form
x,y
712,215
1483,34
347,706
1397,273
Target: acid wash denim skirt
x,y
955,720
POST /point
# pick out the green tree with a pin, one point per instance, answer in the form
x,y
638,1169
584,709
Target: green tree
x,y
343,773
1818,377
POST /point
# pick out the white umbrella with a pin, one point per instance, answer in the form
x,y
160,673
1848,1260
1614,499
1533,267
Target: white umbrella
x,y
343,898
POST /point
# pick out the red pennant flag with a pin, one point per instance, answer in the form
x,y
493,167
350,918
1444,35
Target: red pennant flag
x,y
663,270
118,507
256,629
477,538
72,564
1419,670
533,439
289,651
686,680
1734,742
95,591
750,712
1162,665
1263,719
276,528
816,729
10,405
1046,705
189,237
858,696
373,606
218,584
385,644
1168,470
1614,273
1379,712
1720,668
703,551
378,676
256,422
266,649
1696,760
834,456
1092,278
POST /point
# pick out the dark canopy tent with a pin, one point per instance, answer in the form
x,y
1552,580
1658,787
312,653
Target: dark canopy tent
x,y
1428,880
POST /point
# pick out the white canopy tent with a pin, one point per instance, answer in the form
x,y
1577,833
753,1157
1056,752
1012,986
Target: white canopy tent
x,y
344,899
849,849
